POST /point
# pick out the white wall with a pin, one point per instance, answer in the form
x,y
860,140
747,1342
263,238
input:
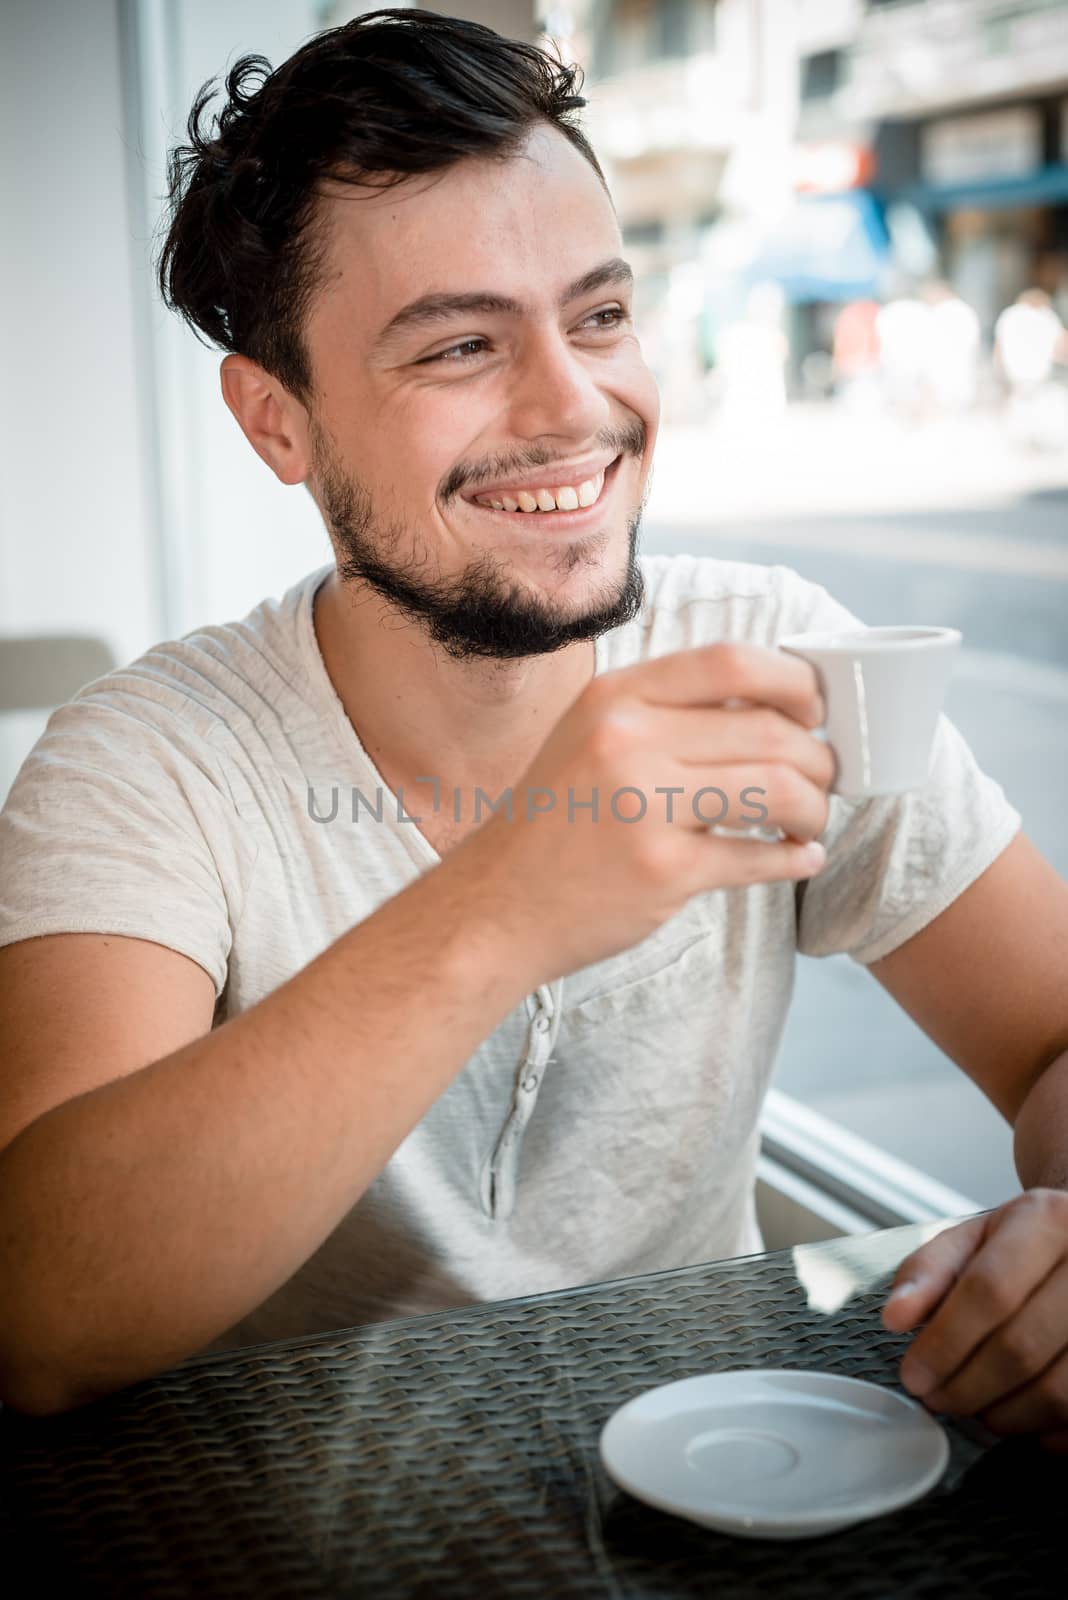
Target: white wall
x,y
233,533
76,545
131,506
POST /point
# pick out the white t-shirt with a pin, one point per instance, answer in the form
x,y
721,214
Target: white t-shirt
x,y
609,1126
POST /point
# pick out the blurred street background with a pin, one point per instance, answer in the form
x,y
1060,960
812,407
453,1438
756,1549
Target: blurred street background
x,y
848,221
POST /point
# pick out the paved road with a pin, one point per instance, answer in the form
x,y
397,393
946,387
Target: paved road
x,y
849,1050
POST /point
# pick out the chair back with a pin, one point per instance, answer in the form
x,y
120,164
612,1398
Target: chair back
x,y
42,671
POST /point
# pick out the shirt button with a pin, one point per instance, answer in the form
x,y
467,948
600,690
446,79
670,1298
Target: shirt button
x,y
530,1082
541,1024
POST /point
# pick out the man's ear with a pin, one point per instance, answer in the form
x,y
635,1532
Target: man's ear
x,y
273,422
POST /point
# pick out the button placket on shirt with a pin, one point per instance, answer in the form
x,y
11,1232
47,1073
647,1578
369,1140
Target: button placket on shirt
x,y
500,1172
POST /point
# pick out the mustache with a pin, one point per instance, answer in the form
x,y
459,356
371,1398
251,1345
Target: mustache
x,y
628,441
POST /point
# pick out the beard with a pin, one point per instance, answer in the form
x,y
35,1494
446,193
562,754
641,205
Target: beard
x,y
482,613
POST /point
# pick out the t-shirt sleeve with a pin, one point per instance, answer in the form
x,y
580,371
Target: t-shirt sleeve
x,y
895,862
121,820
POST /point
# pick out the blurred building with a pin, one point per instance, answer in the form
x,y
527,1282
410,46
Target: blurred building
x,y
692,110
964,106
671,85
842,150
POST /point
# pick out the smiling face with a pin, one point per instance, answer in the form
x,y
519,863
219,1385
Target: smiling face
x,y
416,416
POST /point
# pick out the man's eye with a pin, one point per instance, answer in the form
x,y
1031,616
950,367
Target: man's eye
x,y
444,355
617,314
453,357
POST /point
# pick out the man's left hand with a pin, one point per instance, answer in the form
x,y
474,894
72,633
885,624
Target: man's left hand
x,y
994,1291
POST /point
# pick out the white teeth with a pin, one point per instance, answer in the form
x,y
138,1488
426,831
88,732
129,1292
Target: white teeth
x,y
562,499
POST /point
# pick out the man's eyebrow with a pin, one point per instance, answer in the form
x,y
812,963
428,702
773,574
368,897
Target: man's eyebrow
x,y
430,309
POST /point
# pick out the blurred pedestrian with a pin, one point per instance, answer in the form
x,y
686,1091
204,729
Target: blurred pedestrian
x,y
902,327
1029,340
753,353
952,348
855,355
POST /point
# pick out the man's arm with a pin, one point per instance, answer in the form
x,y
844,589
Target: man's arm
x,y
988,982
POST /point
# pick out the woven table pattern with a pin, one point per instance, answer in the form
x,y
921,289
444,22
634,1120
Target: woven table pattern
x,y
457,1455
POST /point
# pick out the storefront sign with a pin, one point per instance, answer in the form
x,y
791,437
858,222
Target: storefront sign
x,y
998,144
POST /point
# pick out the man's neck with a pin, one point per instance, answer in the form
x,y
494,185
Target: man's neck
x,y
419,714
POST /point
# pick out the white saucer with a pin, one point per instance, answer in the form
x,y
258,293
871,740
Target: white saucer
x,y
771,1454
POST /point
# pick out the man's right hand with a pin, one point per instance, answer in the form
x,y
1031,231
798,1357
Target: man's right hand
x,y
726,717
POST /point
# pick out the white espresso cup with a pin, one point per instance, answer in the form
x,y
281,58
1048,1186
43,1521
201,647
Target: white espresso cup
x,y
883,689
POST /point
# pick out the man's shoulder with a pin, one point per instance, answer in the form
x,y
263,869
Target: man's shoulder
x,y
194,691
673,581
692,600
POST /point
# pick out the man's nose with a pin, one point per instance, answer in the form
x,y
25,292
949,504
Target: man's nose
x,y
555,389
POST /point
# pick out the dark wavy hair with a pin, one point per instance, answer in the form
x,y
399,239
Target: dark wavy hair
x,y
392,93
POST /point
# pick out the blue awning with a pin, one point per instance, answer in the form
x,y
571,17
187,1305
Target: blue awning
x,y
1047,186
830,248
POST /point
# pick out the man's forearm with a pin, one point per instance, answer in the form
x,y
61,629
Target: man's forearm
x,y
1040,1138
143,1219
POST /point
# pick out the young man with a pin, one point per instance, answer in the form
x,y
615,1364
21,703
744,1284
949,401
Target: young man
x,y
271,1069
